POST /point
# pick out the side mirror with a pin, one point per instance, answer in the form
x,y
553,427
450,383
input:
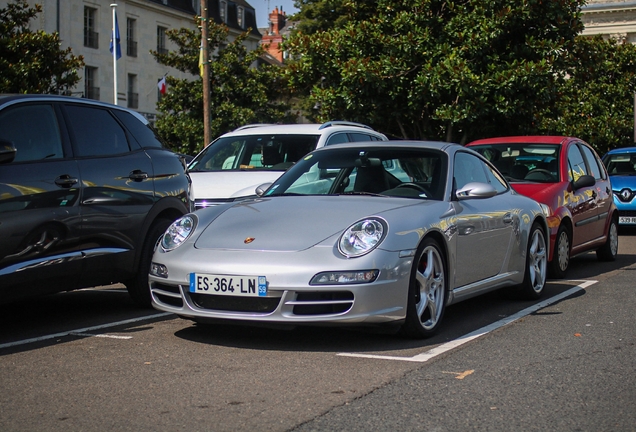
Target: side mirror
x,y
7,151
260,189
476,190
584,181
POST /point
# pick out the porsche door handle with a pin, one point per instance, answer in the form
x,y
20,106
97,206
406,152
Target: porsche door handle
x,y
65,181
138,175
507,218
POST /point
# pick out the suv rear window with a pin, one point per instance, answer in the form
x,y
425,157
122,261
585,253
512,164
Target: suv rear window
x,y
143,134
254,152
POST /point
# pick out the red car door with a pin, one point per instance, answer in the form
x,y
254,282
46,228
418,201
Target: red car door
x,y
602,188
583,202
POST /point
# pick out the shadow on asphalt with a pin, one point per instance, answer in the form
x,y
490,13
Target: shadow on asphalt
x,y
75,310
459,320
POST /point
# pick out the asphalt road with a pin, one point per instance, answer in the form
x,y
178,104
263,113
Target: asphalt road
x,y
92,361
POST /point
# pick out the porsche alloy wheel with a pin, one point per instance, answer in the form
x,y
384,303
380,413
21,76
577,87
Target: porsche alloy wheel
x,y
427,292
536,265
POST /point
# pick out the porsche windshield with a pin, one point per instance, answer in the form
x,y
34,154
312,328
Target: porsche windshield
x,y
412,173
254,152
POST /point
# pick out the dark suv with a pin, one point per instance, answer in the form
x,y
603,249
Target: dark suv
x,y
86,190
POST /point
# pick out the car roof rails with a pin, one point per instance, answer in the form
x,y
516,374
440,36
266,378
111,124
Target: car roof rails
x,y
255,125
343,123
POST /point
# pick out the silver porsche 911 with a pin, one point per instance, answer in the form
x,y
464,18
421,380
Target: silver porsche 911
x,y
356,234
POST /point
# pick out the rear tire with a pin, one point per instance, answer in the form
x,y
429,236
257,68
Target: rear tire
x,y
427,292
561,256
609,251
536,265
138,287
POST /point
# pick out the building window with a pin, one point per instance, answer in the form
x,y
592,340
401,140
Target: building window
x,y
90,79
240,17
133,96
161,40
91,37
131,43
223,11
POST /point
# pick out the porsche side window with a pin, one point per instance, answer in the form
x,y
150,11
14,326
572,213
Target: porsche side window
x,y
495,180
468,169
34,140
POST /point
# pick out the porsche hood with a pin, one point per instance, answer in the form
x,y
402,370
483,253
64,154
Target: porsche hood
x,y
289,223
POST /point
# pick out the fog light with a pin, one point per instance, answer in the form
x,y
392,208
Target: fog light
x,y
345,277
159,270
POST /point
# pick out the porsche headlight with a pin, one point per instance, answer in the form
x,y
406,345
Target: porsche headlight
x,y
362,237
178,232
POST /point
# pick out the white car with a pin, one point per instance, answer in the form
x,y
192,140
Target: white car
x,y
234,164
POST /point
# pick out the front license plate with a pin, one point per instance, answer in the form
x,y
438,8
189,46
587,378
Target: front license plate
x,y
626,220
241,286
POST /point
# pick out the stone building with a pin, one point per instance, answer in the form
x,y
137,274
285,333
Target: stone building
x,y
614,18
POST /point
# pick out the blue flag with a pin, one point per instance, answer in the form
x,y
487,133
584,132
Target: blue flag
x,y
117,38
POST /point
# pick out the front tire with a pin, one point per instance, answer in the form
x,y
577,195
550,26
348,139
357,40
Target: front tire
x,y
427,292
536,270
561,257
609,251
138,287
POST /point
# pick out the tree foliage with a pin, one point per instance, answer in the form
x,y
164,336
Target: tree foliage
x,y
32,61
436,69
596,101
239,92
319,15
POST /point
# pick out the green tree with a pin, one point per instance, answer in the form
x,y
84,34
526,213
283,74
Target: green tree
x,y
32,62
319,15
596,101
434,69
239,92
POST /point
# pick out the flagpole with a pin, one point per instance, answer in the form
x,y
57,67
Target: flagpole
x,y
206,73
114,39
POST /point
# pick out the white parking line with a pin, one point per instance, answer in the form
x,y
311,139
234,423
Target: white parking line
x,y
83,331
100,335
426,356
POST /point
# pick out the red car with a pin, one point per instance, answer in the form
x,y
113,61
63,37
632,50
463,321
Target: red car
x,y
566,175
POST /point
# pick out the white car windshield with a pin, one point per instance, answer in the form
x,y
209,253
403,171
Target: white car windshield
x,y
254,152
409,173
